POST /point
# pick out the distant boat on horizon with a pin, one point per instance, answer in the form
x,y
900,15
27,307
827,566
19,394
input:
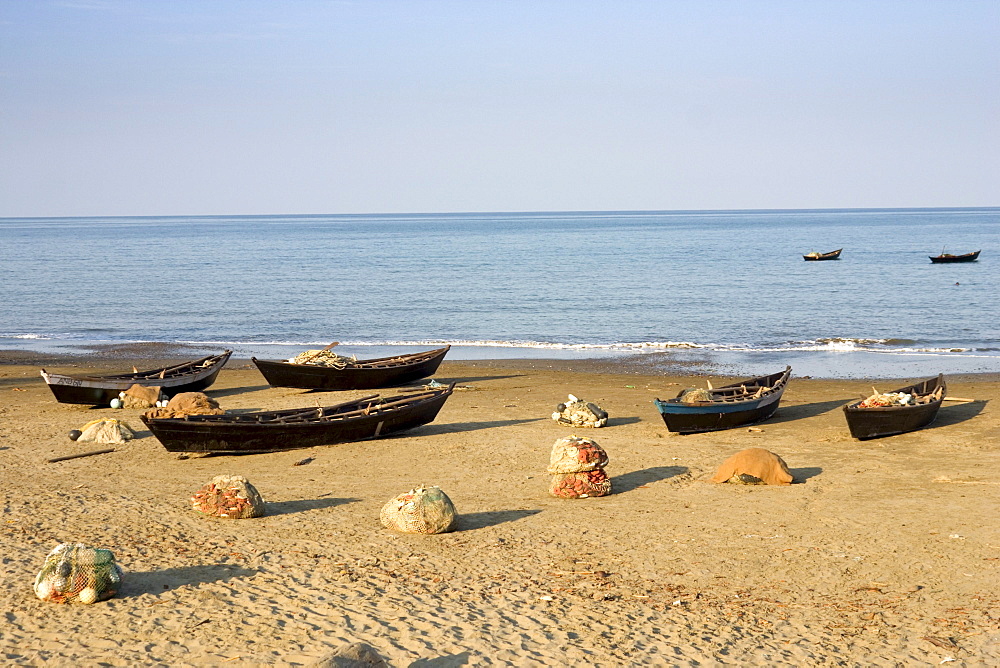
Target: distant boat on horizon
x,y
814,256
948,257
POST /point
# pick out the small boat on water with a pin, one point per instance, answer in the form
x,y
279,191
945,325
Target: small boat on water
x,y
192,376
814,256
273,431
353,375
875,416
948,257
745,402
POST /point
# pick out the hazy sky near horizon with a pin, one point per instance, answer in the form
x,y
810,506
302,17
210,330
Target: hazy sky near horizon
x,y
136,107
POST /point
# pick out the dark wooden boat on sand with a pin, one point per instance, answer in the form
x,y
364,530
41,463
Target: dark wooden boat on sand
x,y
878,421
745,402
359,375
192,376
273,431
832,255
948,257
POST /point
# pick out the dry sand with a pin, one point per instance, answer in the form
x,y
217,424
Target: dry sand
x,y
884,553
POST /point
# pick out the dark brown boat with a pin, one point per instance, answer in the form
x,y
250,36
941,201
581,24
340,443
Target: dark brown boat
x,y
878,421
192,376
273,431
359,375
948,257
832,255
745,402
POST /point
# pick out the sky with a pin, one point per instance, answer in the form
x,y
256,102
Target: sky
x,y
179,107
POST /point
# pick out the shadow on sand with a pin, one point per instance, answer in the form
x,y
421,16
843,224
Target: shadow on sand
x,y
302,505
489,518
157,582
636,479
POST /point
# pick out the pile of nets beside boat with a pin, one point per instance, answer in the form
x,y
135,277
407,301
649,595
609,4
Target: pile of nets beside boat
x,y
323,358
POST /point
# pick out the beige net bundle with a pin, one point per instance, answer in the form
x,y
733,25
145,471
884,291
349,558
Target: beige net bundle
x,y
579,413
425,510
74,572
187,403
695,395
140,396
106,430
323,358
575,454
754,466
230,497
580,485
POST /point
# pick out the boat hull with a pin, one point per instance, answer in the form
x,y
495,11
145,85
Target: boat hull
x,y
881,421
820,257
693,418
363,376
951,259
97,390
225,437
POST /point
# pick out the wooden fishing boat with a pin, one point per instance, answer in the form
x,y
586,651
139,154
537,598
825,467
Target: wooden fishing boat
x,y
744,402
272,431
948,257
878,421
832,255
192,376
359,375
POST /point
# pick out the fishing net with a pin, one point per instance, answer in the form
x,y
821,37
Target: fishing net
x,y
580,485
878,400
575,454
106,430
323,358
695,395
353,655
187,403
77,572
140,396
754,463
421,510
579,413
230,497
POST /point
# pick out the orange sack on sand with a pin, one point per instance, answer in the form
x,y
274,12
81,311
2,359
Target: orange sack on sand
x,y
758,463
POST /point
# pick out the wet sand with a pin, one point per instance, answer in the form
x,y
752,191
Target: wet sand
x,y
882,553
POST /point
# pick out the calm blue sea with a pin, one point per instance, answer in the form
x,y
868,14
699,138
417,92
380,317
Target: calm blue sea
x,y
723,288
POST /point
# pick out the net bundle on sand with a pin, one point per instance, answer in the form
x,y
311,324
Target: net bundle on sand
x,y
74,572
754,466
229,497
426,510
106,430
140,396
579,413
577,468
352,655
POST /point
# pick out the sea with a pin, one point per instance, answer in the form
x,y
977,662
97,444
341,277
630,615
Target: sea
x,y
718,291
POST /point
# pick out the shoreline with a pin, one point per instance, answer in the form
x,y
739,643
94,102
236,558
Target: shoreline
x,y
117,358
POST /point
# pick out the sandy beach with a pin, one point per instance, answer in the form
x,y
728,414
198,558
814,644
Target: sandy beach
x,y
883,553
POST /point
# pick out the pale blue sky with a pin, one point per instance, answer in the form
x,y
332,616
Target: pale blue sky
x,y
114,107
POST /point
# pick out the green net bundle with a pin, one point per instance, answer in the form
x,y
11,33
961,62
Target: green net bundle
x,y
575,454
74,572
229,497
582,485
421,510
